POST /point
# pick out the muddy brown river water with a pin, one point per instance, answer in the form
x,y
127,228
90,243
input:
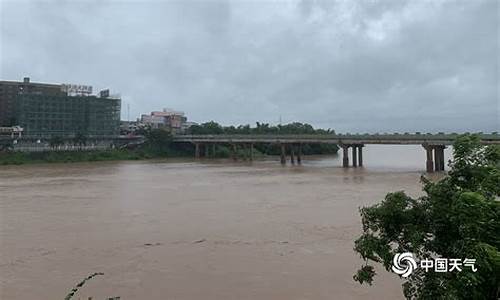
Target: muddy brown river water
x,y
184,229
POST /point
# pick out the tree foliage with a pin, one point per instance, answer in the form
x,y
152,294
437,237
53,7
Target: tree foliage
x,y
260,128
458,217
158,140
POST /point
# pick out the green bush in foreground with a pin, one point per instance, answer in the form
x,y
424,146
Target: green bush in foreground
x,y
459,217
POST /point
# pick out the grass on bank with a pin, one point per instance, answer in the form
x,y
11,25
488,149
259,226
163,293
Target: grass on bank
x,y
19,158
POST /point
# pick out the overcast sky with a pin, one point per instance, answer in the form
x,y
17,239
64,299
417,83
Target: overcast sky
x,y
354,66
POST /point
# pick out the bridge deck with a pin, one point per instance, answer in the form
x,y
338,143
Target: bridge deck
x,y
389,139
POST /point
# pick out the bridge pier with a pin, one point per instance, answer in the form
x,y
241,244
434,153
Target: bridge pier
x,y
443,163
299,154
292,154
251,152
213,150
438,163
234,152
360,155
283,154
197,150
439,158
245,154
345,156
354,156
206,150
429,163
357,155
247,151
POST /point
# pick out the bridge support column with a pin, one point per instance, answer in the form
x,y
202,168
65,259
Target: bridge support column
x,y
245,154
213,150
429,163
442,157
354,156
251,152
360,155
439,158
234,152
283,154
197,150
345,156
292,154
206,150
246,147
436,160
299,154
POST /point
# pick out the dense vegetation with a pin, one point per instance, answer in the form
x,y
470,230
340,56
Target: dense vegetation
x,y
264,128
260,128
18,158
459,217
159,145
155,140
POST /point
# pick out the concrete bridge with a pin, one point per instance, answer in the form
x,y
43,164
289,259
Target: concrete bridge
x,y
433,144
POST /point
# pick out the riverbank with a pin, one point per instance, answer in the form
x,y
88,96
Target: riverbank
x,y
141,153
20,158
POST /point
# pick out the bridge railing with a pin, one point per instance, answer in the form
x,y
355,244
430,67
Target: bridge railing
x,y
452,136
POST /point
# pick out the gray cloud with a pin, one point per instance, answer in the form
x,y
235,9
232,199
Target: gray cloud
x,y
349,65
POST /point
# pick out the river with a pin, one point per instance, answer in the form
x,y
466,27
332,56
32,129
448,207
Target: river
x,y
185,229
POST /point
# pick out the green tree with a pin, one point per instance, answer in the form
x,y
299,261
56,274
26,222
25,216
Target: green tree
x,y
207,128
459,217
158,140
260,128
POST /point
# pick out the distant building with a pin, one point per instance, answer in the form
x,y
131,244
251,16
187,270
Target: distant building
x,y
10,90
47,110
46,116
169,119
